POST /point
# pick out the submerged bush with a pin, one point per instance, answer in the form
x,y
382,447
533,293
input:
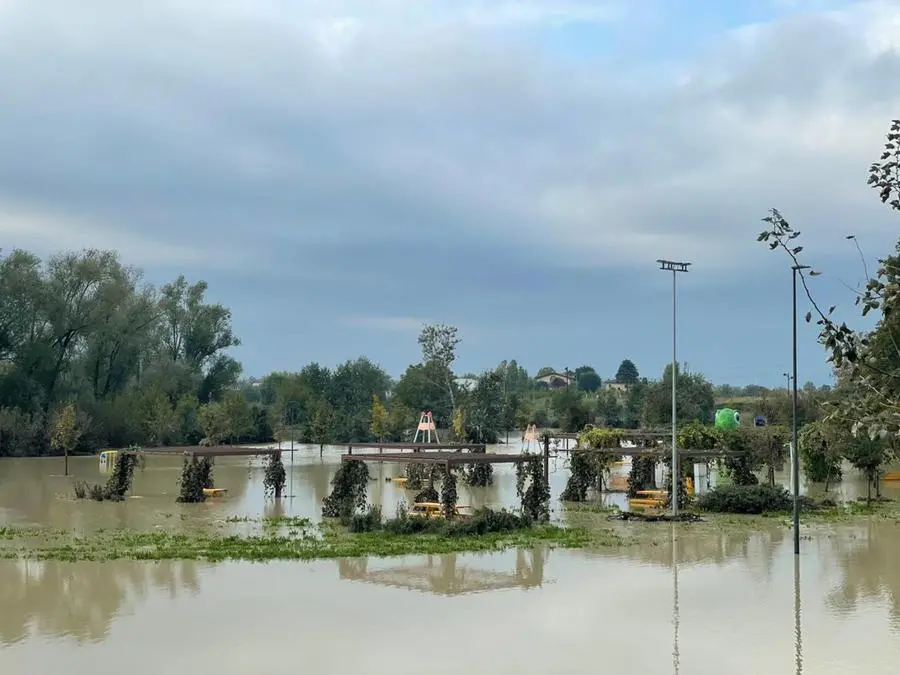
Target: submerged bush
x,y
348,490
275,478
482,522
195,475
753,499
117,485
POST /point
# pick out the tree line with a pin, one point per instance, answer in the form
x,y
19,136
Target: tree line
x,y
86,346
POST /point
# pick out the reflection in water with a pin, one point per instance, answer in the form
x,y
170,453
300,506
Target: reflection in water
x,y
798,633
868,556
442,575
851,583
80,600
675,613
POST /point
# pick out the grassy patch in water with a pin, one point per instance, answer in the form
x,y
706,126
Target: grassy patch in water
x,y
311,543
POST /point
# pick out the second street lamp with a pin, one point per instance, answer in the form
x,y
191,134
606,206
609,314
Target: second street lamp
x,y
795,454
674,268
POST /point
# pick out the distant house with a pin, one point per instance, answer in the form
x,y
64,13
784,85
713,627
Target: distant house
x,y
466,383
615,386
556,380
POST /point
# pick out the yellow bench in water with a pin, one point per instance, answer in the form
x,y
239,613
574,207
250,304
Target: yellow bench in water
x,y
434,510
892,475
215,492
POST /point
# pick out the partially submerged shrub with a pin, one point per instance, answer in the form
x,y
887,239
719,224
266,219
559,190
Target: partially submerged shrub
x,y
348,490
532,488
449,494
275,477
429,494
482,522
753,499
194,476
479,475
370,521
80,487
583,476
416,475
117,485
641,476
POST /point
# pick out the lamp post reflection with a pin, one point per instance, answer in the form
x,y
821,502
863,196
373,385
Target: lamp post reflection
x,y
798,634
675,612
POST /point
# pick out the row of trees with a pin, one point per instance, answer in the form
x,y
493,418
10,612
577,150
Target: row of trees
x,y
82,336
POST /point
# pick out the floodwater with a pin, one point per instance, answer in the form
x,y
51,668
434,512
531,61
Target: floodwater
x,y
696,603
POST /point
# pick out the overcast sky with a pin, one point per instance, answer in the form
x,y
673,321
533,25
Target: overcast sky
x,y
341,171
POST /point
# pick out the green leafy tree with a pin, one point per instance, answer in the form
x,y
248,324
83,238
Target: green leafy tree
x,y
627,372
484,410
66,432
323,424
159,419
400,420
571,411
380,419
214,422
587,379
439,342
238,415
609,409
694,399
421,388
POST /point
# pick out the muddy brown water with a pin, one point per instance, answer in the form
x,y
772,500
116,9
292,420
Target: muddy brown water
x,y
694,603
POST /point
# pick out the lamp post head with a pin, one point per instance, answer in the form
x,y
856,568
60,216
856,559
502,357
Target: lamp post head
x,y
673,266
800,267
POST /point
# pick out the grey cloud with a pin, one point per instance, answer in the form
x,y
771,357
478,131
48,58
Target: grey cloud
x,y
236,122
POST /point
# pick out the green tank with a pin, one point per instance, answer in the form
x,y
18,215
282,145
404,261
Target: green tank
x,y
727,418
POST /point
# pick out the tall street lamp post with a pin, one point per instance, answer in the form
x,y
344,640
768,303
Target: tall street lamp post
x,y
795,455
674,268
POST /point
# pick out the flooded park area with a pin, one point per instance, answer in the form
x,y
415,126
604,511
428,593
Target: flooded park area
x,y
696,599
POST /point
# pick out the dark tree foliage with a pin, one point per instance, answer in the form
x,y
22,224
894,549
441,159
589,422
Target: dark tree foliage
x,y
627,372
533,490
196,474
583,477
275,477
83,328
348,490
641,476
119,482
479,475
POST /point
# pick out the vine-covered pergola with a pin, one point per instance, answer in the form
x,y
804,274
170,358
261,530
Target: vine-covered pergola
x,y
349,485
196,475
742,451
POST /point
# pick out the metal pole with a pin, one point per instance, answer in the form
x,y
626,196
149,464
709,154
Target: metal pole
x,y
795,456
675,474
674,267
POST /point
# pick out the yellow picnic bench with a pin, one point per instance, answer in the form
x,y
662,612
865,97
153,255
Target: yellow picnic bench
x,y
435,510
215,492
649,499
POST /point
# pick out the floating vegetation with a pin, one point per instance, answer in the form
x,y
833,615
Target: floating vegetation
x,y
305,543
